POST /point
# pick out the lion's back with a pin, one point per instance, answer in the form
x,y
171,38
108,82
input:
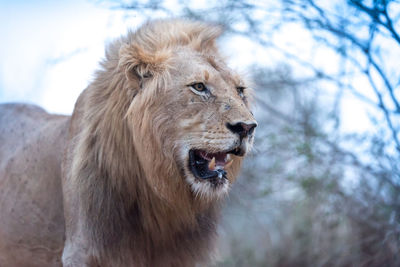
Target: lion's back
x,y
31,212
17,124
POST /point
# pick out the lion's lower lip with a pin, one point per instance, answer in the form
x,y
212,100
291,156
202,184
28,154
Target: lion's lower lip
x,y
199,166
206,165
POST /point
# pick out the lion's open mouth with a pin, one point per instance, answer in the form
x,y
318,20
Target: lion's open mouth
x,y
210,166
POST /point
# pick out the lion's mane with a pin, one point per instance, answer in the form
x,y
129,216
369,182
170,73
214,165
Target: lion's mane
x,y
131,194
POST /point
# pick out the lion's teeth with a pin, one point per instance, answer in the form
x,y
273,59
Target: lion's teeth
x,y
228,164
211,165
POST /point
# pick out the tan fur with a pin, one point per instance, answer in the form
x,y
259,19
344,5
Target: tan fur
x,y
129,197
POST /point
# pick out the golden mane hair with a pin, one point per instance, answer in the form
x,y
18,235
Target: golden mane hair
x,y
125,202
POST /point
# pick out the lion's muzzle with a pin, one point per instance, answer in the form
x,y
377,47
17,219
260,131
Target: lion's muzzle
x,y
243,129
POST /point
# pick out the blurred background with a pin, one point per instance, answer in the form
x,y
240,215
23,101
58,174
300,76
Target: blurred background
x,y
322,185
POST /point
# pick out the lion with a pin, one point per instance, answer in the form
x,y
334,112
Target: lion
x,y
136,176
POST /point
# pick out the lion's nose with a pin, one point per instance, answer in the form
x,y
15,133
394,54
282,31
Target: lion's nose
x,y
243,129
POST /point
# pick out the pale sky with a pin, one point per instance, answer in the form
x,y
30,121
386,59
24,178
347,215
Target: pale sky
x,y
50,49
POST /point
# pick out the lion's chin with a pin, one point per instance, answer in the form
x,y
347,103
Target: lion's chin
x,y
207,190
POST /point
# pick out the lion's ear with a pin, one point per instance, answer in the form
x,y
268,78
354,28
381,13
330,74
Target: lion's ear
x,y
139,63
206,38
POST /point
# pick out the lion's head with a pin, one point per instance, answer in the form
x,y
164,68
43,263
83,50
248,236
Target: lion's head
x,y
190,115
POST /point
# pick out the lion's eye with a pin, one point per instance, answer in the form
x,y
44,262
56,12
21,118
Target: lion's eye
x,y
240,90
199,87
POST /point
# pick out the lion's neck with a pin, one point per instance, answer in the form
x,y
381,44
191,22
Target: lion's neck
x,y
148,228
